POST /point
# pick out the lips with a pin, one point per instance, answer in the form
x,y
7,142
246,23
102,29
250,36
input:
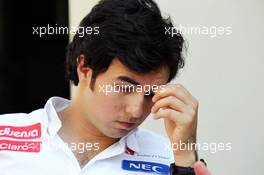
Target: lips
x,y
125,125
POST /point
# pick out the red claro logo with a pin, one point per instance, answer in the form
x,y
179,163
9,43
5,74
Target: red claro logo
x,y
22,135
20,146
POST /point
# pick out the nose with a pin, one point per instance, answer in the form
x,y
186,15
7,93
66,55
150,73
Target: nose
x,y
135,105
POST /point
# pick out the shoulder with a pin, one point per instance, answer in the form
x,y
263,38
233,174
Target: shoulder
x,y
22,125
21,118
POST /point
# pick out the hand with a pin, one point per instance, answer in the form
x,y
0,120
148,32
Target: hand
x,y
201,169
179,110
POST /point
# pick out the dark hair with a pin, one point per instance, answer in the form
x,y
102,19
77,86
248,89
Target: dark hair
x,y
132,31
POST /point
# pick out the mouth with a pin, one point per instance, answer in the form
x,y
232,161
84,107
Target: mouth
x,y
125,125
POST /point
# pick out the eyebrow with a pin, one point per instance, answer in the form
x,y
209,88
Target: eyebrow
x,y
128,79
132,81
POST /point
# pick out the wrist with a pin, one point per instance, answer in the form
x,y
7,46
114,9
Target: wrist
x,y
185,158
178,170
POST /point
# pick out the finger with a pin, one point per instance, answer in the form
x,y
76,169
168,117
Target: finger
x,y
171,102
193,101
176,91
201,169
184,89
173,115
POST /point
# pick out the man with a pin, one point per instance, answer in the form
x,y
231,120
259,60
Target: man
x,y
122,75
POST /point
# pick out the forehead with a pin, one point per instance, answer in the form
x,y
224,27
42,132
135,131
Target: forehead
x,y
117,69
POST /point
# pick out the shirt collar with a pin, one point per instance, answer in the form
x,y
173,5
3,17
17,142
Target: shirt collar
x,y
54,105
130,140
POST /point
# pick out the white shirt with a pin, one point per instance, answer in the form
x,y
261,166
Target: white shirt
x,y
29,144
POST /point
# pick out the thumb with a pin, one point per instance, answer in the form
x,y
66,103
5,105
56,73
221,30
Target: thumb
x,y
201,169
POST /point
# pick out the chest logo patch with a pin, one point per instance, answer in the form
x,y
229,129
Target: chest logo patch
x,y
147,167
21,132
20,146
20,138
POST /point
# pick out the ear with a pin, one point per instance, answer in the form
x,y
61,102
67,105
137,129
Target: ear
x,y
83,71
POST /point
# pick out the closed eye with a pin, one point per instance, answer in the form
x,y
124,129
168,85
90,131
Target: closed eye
x,y
149,94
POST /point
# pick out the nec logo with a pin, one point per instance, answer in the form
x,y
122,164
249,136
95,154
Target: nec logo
x,y
148,167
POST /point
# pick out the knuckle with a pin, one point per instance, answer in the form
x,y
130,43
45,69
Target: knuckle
x,y
188,119
178,86
196,103
180,94
192,112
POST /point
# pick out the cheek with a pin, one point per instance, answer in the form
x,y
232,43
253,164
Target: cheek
x,y
109,105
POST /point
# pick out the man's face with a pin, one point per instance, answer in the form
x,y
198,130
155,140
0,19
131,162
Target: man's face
x,y
118,110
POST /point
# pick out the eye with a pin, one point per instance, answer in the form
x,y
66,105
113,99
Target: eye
x,y
149,94
125,90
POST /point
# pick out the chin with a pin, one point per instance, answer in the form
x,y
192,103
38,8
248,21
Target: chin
x,y
117,133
